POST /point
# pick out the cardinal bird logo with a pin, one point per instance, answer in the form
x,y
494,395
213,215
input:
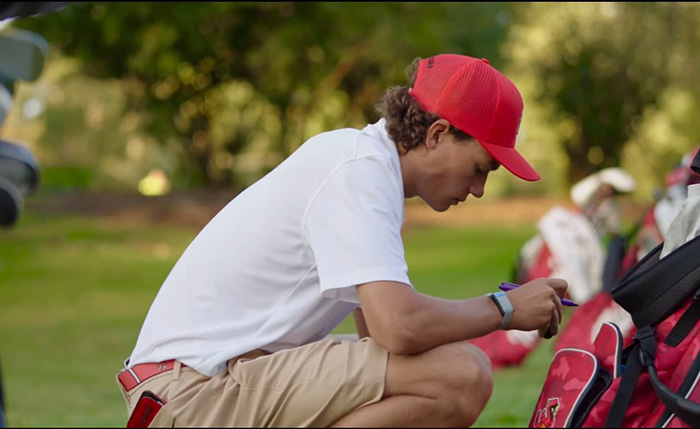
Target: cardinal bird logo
x,y
548,415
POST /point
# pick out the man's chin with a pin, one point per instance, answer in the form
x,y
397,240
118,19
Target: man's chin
x,y
438,206
441,207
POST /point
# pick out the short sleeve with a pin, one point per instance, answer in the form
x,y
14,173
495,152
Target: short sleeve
x,y
353,227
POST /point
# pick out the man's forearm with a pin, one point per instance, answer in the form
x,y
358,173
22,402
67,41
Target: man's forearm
x,y
442,321
362,330
408,322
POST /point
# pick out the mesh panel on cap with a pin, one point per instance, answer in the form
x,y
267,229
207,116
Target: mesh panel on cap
x,y
468,100
472,95
432,82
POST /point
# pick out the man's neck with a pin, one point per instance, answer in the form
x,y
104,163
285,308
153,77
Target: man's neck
x,y
408,171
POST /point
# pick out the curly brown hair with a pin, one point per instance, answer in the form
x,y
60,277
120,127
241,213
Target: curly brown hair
x,y
406,121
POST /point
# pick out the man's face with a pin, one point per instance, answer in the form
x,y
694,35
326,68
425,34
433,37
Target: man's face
x,y
454,170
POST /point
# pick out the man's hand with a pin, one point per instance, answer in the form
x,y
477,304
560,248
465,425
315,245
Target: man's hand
x,y
537,305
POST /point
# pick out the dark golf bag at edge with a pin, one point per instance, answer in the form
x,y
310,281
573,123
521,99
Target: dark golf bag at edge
x,y
652,382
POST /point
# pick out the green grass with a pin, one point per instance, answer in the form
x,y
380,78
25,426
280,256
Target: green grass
x,y
461,263
74,292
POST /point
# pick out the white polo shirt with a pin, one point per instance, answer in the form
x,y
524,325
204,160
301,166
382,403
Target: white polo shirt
x,y
277,267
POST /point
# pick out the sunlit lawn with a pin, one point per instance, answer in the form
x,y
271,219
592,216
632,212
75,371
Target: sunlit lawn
x,y
74,292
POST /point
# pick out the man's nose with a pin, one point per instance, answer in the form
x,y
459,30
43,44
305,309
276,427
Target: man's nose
x,y
477,188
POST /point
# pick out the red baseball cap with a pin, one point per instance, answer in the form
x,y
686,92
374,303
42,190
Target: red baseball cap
x,y
478,100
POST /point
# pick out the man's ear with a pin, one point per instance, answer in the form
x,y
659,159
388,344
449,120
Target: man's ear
x,y
436,129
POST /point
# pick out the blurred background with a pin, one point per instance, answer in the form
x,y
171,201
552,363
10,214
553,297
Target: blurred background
x,y
147,118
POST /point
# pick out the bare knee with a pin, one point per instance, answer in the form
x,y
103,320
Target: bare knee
x,y
454,378
462,381
468,381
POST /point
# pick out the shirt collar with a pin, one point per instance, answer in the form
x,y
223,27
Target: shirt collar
x,y
379,132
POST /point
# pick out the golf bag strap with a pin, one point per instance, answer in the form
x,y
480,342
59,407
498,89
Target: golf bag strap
x,y
685,324
642,357
613,261
625,390
685,409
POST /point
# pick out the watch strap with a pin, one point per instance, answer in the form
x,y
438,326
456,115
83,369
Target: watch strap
x,y
504,306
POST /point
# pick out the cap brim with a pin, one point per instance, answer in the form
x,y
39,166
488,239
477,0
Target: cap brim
x,y
512,161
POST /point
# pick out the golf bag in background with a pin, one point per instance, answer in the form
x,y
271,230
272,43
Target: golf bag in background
x,y
623,253
583,326
567,246
652,381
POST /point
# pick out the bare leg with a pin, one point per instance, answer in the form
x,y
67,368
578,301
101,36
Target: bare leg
x,y
443,387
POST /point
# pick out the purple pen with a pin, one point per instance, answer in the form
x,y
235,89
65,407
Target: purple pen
x,y
506,286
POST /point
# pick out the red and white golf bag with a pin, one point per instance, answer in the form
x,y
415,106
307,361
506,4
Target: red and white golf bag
x,y
652,382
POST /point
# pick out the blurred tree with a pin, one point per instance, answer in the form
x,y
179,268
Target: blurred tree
x,y
221,77
597,67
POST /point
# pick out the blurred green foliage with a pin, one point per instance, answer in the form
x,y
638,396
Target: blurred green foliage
x,y
66,177
218,78
218,93
596,69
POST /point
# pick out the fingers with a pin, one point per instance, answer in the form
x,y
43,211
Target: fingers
x,y
559,285
559,307
554,323
541,301
552,328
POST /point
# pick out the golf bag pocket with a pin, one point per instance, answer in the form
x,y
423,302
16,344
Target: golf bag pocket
x,y
576,379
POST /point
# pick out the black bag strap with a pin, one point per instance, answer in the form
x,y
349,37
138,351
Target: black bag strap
x,y
689,381
654,288
685,409
613,261
642,351
686,323
641,357
625,390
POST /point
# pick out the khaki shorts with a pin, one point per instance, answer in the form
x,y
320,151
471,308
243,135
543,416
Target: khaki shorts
x,y
308,386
